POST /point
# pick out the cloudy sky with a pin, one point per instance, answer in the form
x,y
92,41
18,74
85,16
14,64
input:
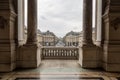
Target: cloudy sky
x,y
59,16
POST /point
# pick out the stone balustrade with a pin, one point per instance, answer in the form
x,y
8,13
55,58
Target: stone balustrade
x,y
60,53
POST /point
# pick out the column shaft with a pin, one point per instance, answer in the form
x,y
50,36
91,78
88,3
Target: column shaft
x,y
20,22
32,22
98,22
87,22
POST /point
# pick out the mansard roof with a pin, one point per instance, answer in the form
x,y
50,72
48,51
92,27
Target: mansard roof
x,y
73,33
48,33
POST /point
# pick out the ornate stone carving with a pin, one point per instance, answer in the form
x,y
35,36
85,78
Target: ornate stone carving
x,y
3,22
115,23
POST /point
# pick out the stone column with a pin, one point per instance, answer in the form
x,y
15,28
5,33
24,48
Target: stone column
x,y
87,22
21,22
88,57
30,52
32,22
98,22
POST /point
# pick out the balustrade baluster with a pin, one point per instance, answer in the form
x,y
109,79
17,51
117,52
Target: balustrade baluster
x,y
54,53
57,52
67,52
62,52
75,52
49,52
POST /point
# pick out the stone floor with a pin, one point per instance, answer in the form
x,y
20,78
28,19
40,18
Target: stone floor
x,y
59,70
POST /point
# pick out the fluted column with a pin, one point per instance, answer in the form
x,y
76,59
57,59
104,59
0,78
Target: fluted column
x,y
32,22
87,22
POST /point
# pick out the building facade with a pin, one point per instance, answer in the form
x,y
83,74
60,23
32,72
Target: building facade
x,y
71,39
48,39
75,38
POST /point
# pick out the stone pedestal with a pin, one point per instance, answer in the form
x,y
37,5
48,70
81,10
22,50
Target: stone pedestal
x,y
89,56
30,56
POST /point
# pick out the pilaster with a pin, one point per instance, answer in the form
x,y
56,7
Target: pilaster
x,y
111,54
7,42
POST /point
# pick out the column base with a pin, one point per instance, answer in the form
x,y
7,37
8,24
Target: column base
x,y
111,58
89,56
29,56
7,57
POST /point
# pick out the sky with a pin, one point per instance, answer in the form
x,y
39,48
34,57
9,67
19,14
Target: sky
x,y
59,16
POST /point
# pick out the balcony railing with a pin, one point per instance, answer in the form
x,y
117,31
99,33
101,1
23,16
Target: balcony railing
x,y
60,53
